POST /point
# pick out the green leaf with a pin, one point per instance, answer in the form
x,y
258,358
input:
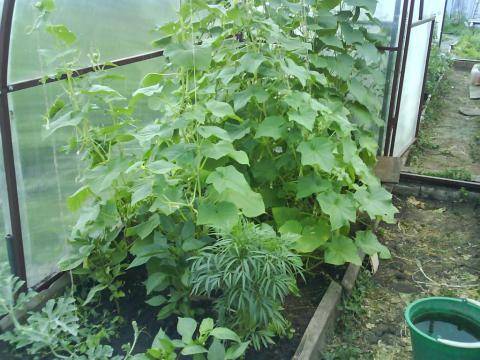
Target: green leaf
x,y
187,56
367,241
368,52
58,105
75,201
332,41
97,89
251,61
208,131
326,19
186,328
352,36
68,119
169,199
232,187
376,201
272,126
342,250
220,109
62,33
363,95
155,280
311,184
148,91
157,300
283,214
92,293
221,149
318,151
305,117
144,229
340,207
161,167
313,237
291,227
222,333
242,98
236,351
206,326
193,350
216,351
292,69
369,5
141,192
223,215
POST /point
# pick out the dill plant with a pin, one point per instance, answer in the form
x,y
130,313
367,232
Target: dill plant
x,y
250,271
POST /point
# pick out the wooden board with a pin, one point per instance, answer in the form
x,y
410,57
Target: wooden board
x,y
388,169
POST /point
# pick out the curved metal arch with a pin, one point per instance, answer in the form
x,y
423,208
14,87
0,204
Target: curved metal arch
x,y
15,240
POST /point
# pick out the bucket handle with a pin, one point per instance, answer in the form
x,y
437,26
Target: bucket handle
x,y
474,345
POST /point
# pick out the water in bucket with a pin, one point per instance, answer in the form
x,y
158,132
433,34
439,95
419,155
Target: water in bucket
x,y
448,327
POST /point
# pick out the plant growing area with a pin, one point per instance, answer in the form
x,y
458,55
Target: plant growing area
x,y
219,197
220,188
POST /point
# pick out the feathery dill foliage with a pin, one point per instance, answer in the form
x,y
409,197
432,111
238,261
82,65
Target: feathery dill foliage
x,y
250,270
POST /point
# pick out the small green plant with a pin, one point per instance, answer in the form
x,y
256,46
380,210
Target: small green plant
x,y
249,271
210,342
59,329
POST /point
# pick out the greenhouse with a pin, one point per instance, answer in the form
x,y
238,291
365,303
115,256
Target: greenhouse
x,y
240,179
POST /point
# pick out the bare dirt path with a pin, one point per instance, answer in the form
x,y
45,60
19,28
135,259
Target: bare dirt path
x,y
435,252
454,139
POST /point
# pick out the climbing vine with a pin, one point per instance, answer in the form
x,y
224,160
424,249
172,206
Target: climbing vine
x,y
264,112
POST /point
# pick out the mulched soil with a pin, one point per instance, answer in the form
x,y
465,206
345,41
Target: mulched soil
x,y
435,252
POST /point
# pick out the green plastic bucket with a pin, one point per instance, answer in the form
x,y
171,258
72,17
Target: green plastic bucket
x,y
427,347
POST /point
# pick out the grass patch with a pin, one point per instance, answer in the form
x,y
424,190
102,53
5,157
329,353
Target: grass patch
x,y
455,25
350,323
468,47
455,174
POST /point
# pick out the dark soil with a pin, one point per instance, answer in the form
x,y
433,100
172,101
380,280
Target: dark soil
x,y
299,311
435,250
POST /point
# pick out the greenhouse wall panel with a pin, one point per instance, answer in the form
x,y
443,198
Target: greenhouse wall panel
x,y
112,29
413,86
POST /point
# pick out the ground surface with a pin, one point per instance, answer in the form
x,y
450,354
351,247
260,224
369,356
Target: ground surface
x,y
454,138
435,252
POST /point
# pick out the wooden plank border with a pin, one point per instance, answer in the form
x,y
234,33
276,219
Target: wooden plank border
x,y
322,324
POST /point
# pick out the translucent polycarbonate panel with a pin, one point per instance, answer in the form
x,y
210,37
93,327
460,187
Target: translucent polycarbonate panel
x,y
412,88
46,175
389,13
437,9
112,28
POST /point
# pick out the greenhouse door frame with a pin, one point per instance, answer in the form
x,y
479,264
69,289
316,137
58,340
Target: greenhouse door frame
x,y
398,82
